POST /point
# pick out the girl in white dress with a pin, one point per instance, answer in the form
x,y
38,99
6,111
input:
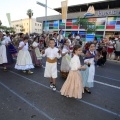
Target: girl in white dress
x,y
36,55
65,63
24,61
88,74
73,86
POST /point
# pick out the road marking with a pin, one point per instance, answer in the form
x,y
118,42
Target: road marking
x,y
108,78
98,76
26,101
85,102
113,86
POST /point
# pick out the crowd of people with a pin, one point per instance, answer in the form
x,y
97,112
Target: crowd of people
x,y
28,51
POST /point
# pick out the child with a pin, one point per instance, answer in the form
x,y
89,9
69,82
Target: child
x,y
73,86
88,74
5,55
24,61
52,53
65,63
36,55
103,56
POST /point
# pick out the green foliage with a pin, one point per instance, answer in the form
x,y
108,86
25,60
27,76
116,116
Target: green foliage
x,y
29,13
88,26
0,23
7,29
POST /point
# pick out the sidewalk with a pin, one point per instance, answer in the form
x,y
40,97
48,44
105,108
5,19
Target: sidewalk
x,y
112,60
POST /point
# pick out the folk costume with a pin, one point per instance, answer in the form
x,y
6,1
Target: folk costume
x,y
24,61
51,62
65,63
73,86
36,55
88,74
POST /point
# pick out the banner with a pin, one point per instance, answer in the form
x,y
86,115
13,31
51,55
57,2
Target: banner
x,y
64,10
9,18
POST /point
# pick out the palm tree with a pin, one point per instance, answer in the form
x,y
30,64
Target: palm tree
x,y
0,23
30,14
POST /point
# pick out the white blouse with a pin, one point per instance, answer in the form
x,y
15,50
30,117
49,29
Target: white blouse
x,y
35,44
52,53
75,63
25,47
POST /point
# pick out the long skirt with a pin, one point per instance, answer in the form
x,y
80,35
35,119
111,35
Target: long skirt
x,y
73,86
88,76
24,61
12,49
34,58
6,58
65,66
3,55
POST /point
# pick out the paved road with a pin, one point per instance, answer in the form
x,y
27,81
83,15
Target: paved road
x,y
28,97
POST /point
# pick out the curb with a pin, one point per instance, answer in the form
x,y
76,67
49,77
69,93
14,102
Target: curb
x,y
115,61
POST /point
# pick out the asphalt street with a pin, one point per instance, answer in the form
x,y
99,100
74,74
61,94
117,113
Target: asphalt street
x,y
28,97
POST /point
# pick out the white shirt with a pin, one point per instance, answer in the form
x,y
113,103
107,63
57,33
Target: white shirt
x,y
61,37
75,63
77,37
64,50
3,42
35,44
69,41
7,39
25,47
111,43
52,53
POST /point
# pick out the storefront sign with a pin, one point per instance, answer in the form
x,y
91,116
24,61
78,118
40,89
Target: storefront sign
x,y
108,12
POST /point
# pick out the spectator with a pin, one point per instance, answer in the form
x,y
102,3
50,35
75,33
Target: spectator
x,y
117,53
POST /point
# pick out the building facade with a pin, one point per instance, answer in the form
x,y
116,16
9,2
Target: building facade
x,y
27,26
107,23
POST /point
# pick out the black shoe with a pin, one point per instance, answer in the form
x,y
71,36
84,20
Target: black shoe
x,y
87,91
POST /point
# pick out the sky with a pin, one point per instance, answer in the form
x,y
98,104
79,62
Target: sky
x,y
18,8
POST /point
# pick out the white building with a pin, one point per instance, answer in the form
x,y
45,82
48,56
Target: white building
x,y
24,26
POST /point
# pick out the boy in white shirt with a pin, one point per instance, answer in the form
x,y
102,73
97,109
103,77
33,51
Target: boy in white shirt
x,y
52,53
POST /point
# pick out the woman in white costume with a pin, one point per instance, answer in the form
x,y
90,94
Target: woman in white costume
x,y
24,61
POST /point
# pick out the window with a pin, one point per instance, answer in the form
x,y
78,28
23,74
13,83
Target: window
x,y
35,24
27,23
38,24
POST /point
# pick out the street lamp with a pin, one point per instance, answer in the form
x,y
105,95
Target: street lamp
x,y
43,5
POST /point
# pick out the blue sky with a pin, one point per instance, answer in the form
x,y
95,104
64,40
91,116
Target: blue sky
x,y
18,8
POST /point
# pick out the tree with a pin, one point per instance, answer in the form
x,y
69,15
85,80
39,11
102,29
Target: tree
x,y
88,26
30,14
22,28
0,23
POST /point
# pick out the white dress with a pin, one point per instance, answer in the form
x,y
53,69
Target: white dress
x,y
90,80
51,68
65,63
24,61
3,56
